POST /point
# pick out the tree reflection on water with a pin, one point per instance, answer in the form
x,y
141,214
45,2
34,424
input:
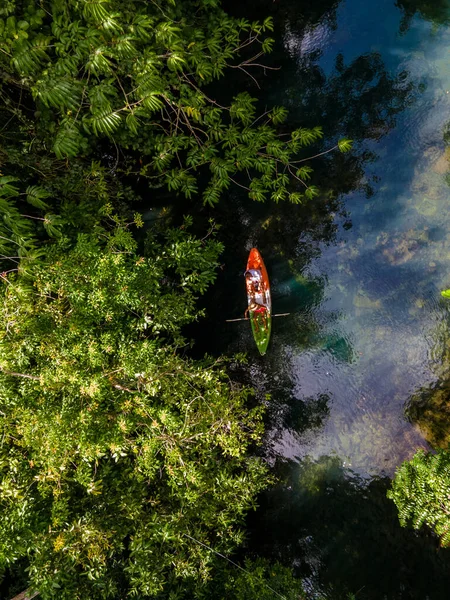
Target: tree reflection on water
x,y
429,407
339,530
436,11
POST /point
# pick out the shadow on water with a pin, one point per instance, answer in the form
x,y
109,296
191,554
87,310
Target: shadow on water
x,y
360,99
341,535
288,237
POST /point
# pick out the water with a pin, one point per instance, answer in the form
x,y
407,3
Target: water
x,y
361,273
383,276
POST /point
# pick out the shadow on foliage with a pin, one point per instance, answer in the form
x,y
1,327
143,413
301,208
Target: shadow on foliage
x,y
336,528
14,580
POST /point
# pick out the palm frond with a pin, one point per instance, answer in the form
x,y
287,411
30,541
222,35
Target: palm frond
x,y
68,141
63,93
28,57
104,122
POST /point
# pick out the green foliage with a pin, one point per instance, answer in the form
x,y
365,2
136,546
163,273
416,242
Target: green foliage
x,y
113,445
445,293
134,73
421,492
68,141
17,237
256,579
345,145
36,196
42,197
117,450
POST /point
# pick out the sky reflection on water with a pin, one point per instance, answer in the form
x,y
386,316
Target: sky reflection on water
x,y
383,276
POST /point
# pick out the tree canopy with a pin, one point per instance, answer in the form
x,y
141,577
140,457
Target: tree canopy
x,y
124,464
421,492
139,75
113,445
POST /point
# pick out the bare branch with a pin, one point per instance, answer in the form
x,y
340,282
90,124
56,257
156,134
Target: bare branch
x,y
25,375
242,186
26,595
293,162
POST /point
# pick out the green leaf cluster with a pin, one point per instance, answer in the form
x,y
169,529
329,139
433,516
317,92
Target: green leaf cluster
x,y
61,200
255,580
134,74
421,492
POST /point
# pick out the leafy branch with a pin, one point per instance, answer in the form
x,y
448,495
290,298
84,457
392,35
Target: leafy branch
x,y
137,78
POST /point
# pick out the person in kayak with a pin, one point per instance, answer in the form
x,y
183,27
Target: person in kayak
x,y
257,309
253,279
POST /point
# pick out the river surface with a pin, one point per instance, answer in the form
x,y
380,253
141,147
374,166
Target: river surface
x,y
360,273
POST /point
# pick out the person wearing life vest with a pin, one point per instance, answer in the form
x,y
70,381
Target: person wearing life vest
x,y
253,279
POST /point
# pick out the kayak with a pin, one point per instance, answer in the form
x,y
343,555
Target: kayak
x,y
259,300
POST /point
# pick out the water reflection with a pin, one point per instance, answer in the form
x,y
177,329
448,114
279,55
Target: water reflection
x,y
429,407
347,288
342,535
436,11
360,272
359,97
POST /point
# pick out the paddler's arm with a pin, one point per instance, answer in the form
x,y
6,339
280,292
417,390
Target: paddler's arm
x,y
246,313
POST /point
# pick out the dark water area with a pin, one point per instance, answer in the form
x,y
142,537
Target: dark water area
x,y
360,271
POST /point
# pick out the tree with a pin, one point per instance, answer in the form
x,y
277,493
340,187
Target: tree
x,y
123,464
116,450
134,74
421,492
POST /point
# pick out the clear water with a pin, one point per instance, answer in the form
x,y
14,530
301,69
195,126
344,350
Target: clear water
x,y
366,314
379,307
383,276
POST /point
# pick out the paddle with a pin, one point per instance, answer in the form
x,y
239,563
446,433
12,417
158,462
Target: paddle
x,y
247,318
